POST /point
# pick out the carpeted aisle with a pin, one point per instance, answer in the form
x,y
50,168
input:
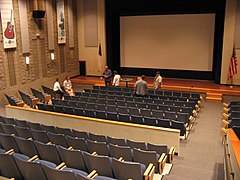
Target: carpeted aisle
x,y
201,155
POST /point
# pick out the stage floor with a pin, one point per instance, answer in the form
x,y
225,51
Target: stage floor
x,y
170,84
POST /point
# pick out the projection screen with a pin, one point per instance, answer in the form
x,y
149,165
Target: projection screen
x,y
179,42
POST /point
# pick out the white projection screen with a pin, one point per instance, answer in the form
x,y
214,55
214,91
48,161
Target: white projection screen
x,y
179,42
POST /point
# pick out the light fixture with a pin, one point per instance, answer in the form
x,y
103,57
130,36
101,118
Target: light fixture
x,y
27,60
52,56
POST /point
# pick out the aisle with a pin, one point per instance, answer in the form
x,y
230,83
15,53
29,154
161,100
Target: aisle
x,y
201,155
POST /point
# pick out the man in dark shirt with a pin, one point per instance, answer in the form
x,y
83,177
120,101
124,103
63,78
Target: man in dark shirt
x,y
140,87
107,74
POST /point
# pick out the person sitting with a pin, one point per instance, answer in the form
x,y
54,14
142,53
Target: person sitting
x,y
157,82
140,87
57,88
67,84
116,79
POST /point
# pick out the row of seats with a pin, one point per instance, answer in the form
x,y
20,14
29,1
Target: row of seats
x,y
77,139
150,91
48,161
131,101
14,101
156,117
129,97
231,114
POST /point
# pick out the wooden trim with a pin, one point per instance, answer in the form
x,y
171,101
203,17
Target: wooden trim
x,y
96,119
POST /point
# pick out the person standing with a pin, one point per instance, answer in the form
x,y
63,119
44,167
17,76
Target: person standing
x,y
140,87
116,79
67,84
107,74
157,82
57,88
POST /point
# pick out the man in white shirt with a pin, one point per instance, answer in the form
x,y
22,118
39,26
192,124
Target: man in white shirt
x,y
157,82
57,88
116,79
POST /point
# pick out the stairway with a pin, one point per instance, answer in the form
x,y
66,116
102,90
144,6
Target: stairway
x,y
211,96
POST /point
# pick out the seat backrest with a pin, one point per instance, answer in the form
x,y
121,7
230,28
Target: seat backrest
x,y
180,126
40,135
22,123
128,170
146,157
80,134
7,142
65,131
121,151
8,167
48,152
23,132
10,121
150,121
57,139
97,137
35,126
136,144
51,129
30,170
124,117
163,123
77,143
116,141
159,148
72,158
137,119
100,148
54,174
8,128
26,147
102,164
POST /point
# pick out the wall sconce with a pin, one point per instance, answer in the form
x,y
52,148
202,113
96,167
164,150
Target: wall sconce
x,y
27,60
52,56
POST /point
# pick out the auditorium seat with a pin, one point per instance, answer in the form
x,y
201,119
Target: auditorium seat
x,y
14,101
136,144
129,170
43,97
101,114
78,111
26,147
116,141
72,158
147,157
57,139
8,128
30,169
97,137
35,126
77,143
157,113
59,108
166,123
7,142
50,107
8,120
54,173
145,112
180,126
8,167
133,111
137,119
80,134
22,123
49,128
89,113
48,152
102,165
65,131
152,121
124,117
40,135
112,116
23,132
124,152
111,108
101,148
152,106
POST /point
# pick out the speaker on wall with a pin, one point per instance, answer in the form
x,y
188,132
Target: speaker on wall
x,y
38,14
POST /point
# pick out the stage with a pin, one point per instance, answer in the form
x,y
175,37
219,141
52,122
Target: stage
x,y
200,86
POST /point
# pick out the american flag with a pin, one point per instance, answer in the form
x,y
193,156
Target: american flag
x,y
233,65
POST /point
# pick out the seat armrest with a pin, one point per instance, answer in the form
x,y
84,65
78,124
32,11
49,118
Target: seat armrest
x,y
225,110
11,151
225,105
225,124
92,174
149,172
161,162
61,166
171,154
35,157
225,116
